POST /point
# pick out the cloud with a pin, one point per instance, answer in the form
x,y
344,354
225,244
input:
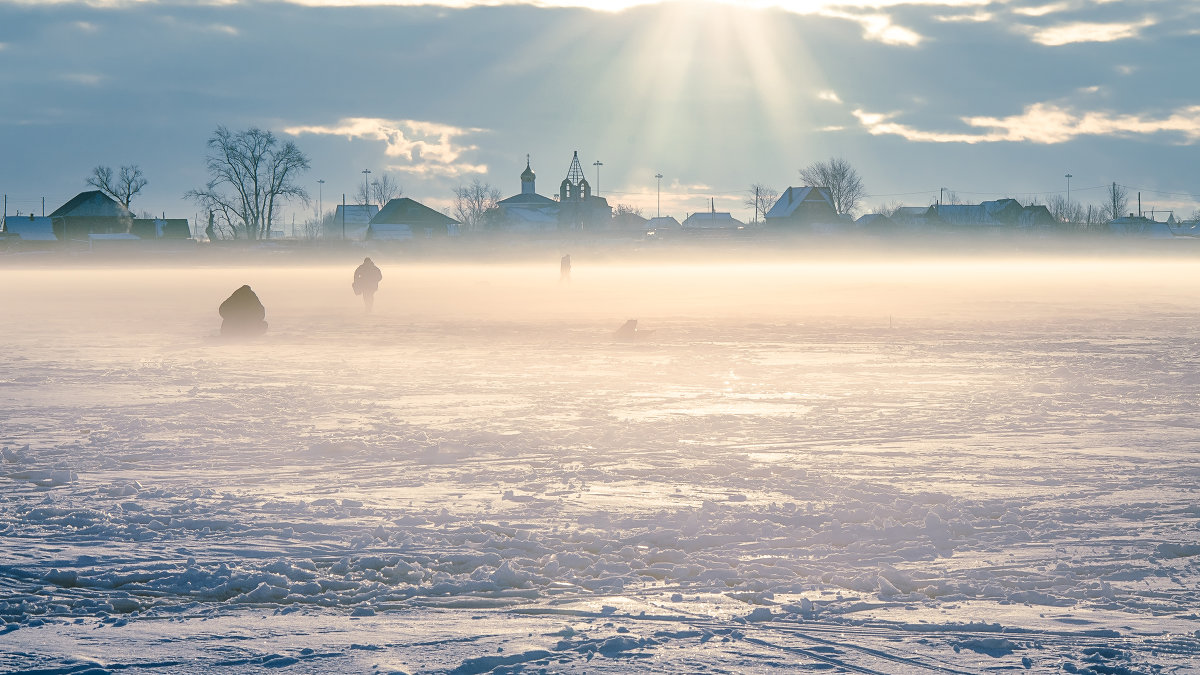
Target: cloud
x,y
1044,123
1071,33
416,147
830,96
877,27
1042,10
978,16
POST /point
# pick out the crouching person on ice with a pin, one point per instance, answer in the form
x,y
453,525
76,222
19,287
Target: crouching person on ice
x,y
242,314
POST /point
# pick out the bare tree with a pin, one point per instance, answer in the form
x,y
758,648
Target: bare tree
x,y
1116,200
251,172
379,191
317,223
628,210
839,177
888,209
472,201
761,198
1065,211
123,187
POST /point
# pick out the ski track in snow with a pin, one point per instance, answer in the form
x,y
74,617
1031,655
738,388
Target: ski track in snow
x,y
960,492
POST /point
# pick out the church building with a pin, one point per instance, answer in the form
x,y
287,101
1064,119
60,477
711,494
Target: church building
x,y
528,211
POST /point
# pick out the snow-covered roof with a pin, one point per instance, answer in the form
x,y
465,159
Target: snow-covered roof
x,y
356,214
793,197
30,228
708,220
531,199
1142,226
663,223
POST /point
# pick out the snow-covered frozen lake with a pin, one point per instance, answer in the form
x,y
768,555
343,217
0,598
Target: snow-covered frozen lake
x,y
920,466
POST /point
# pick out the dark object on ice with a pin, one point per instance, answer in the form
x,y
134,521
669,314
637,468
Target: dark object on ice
x,y
564,268
243,314
630,332
366,281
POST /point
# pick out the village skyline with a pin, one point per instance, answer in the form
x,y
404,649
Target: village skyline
x,y
986,99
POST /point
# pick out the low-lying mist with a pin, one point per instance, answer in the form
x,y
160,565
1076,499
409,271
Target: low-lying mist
x,y
182,302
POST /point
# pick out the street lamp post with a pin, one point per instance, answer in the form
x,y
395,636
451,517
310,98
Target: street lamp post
x,y
366,186
659,177
597,164
1068,177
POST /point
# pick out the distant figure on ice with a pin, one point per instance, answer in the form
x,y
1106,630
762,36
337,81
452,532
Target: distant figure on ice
x,y
564,269
242,314
366,282
629,332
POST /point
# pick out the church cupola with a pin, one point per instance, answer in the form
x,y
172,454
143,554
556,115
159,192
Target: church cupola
x,y
527,179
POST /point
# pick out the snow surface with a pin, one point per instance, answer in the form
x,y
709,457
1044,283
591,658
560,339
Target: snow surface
x,y
928,466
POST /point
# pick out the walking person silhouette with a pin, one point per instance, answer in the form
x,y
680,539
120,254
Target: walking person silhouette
x,y
366,281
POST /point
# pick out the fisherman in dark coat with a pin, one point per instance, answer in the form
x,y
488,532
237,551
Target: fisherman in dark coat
x,y
242,314
366,281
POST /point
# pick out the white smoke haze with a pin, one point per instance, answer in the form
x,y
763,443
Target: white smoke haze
x,y
884,465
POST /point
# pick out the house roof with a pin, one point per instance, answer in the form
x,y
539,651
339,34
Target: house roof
x,y
911,212
874,220
91,204
527,199
793,197
709,220
356,214
405,211
663,223
30,228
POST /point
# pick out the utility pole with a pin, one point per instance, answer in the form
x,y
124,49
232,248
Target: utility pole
x,y
755,204
366,187
343,216
659,177
320,198
597,164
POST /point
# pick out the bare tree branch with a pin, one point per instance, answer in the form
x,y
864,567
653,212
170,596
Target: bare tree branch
x,y
250,174
839,177
472,201
1116,200
761,198
123,187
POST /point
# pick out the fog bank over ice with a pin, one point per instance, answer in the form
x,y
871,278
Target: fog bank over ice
x,y
300,300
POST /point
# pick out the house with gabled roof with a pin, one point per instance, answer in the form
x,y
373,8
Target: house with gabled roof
x,y
1005,212
801,208
91,212
349,222
405,218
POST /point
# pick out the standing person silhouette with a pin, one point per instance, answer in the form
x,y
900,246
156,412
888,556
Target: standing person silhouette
x,y
564,269
366,281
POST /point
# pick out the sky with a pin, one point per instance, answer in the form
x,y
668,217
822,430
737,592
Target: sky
x,y
982,98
